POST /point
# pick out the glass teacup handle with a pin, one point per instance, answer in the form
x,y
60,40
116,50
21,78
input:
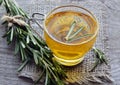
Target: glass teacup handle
x,y
37,18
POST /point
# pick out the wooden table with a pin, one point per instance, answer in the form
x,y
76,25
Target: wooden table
x,y
8,73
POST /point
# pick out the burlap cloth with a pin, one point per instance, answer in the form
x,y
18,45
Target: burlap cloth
x,y
78,75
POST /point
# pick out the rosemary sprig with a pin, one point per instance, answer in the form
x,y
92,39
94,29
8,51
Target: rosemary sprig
x,y
70,30
72,36
100,58
29,46
79,37
78,31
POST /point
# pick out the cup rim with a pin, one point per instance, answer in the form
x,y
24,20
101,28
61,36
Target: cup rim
x,y
91,13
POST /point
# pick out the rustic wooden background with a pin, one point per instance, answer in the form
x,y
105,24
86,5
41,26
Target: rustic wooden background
x,y
8,73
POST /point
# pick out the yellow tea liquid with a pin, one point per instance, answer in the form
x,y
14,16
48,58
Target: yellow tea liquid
x,y
58,26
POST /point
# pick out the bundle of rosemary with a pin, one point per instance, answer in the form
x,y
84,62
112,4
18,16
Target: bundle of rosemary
x,y
31,47
28,45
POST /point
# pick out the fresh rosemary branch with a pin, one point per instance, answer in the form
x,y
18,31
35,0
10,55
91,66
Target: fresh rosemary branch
x,y
78,31
70,30
79,37
100,58
72,36
28,45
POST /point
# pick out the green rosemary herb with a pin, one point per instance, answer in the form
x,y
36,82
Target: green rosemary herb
x,y
79,37
100,58
72,36
77,32
70,30
28,45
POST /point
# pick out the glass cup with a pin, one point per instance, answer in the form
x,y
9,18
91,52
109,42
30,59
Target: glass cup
x,y
70,32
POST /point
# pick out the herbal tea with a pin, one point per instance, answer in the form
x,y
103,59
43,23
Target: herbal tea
x,y
70,35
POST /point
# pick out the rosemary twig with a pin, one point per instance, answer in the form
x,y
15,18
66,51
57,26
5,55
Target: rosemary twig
x,y
70,30
78,31
72,36
100,55
100,58
79,37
